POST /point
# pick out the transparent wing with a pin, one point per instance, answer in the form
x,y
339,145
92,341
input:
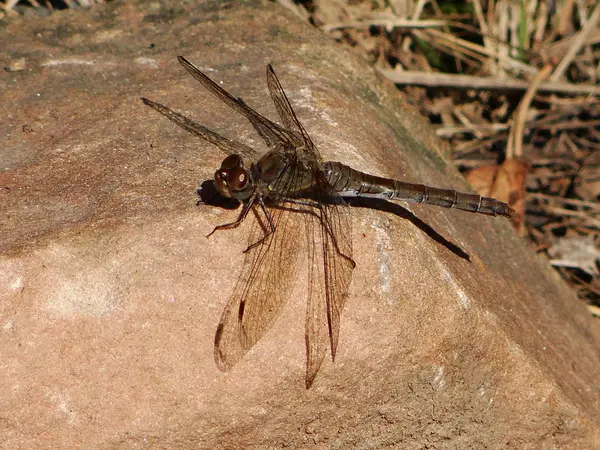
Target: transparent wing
x,y
330,265
329,241
227,146
288,117
265,283
270,132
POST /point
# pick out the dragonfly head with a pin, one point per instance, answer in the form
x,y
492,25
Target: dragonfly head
x,y
232,179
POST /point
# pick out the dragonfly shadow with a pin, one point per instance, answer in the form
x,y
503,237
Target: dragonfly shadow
x,y
209,195
392,208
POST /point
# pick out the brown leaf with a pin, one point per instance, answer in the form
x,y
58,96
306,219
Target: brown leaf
x,y
505,182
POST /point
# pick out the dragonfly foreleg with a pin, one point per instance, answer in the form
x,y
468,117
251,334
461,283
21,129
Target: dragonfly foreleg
x,y
240,219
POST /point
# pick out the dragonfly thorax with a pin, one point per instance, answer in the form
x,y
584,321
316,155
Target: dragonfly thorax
x,y
232,179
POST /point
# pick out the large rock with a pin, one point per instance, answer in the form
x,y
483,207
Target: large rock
x,y
111,293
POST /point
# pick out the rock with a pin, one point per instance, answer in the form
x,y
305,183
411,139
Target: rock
x,y
110,293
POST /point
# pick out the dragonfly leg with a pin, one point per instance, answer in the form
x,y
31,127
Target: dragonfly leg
x,y
321,217
240,219
269,231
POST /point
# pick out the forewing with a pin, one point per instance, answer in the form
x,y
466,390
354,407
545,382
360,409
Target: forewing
x,y
227,146
289,118
270,132
330,266
266,280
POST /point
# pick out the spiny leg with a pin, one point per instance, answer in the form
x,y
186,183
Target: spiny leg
x,y
240,219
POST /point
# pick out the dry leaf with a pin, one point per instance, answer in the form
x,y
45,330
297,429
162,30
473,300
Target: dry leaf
x,y
579,252
505,182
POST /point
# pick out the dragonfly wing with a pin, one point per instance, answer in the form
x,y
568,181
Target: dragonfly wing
x,y
266,281
330,267
329,243
227,146
288,117
262,289
270,132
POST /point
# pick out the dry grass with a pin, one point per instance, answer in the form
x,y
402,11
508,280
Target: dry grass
x,y
12,8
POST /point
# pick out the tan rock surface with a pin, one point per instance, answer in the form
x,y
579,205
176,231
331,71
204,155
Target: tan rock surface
x,y
110,293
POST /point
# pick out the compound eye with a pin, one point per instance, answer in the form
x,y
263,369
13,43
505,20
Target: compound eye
x,y
237,179
231,162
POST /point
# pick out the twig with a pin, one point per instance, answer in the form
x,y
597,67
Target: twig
x,y
570,125
556,49
488,83
571,213
455,49
515,137
594,310
565,201
576,45
506,60
10,4
387,23
475,128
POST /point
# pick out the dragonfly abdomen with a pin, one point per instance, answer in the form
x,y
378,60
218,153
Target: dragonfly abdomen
x,y
349,182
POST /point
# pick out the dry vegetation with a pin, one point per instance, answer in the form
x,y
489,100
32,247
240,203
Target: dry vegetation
x,y
13,8
511,85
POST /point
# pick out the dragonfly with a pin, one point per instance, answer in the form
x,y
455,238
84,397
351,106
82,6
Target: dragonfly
x,y
294,196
